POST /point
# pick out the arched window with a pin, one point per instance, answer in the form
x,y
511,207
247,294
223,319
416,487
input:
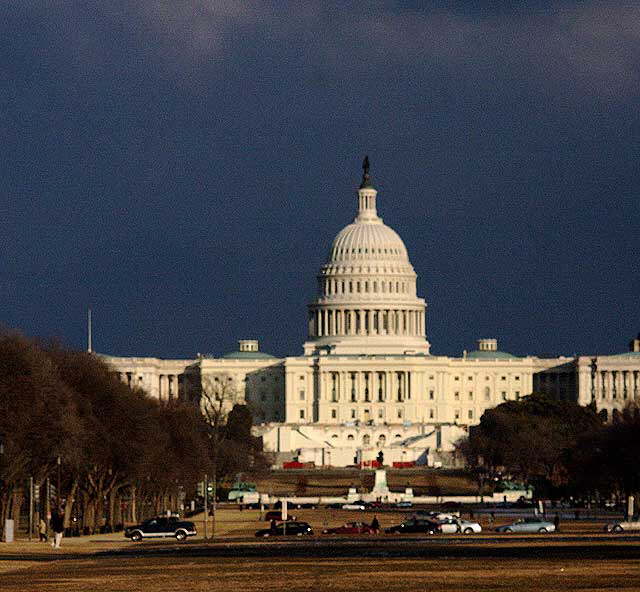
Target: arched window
x,y
366,440
350,437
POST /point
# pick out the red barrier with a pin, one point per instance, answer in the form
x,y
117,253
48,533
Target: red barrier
x,y
294,464
369,464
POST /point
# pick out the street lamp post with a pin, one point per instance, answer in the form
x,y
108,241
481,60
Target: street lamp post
x,y
58,489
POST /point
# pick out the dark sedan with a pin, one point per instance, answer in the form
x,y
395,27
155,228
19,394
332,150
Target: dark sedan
x,y
414,526
288,529
350,528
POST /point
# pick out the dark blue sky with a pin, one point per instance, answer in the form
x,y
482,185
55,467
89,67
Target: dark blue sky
x,y
183,167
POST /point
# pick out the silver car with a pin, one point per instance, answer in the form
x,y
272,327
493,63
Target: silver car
x,y
454,525
532,524
624,525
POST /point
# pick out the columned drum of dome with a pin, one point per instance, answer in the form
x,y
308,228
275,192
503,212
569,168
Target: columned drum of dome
x,y
366,301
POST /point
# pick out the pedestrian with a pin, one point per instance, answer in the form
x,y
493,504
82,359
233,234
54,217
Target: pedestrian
x,y
493,517
272,525
375,525
556,521
57,524
42,529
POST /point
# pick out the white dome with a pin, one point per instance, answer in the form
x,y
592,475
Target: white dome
x,y
368,241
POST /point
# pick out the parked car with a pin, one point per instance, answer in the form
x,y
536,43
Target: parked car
x,y
292,529
624,525
454,524
533,524
437,516
277,515
404,504
414,526
354,506
161,527
350,528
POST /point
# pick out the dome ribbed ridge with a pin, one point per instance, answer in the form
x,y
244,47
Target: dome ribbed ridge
x,y
367,241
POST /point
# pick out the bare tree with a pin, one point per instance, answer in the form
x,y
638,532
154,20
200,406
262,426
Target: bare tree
x,y
217,397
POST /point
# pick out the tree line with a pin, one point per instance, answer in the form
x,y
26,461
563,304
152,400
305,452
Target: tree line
x,y
560,448
117,453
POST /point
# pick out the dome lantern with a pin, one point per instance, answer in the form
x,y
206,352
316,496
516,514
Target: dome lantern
x,y
367,196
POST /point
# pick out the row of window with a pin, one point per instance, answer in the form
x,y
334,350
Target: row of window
x,y
457,378
353,413
366,439
364,251
381,396
399,414
487,395
329,287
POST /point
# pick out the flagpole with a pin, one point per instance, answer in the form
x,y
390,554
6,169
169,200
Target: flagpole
x,y
89,344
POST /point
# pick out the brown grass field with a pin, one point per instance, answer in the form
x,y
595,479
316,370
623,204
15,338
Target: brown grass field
x,y
578,558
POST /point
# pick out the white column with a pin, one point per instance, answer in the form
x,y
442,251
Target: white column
x,y
344,381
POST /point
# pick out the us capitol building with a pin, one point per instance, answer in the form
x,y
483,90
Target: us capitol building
x,y
367,381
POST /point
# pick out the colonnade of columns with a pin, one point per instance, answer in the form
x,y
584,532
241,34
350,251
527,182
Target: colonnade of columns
x,y
376,386
325,322
168,386
167,383
617,384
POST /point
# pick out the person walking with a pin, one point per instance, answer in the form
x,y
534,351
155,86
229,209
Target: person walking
x,y
556,521
57,524
42,530
375,525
